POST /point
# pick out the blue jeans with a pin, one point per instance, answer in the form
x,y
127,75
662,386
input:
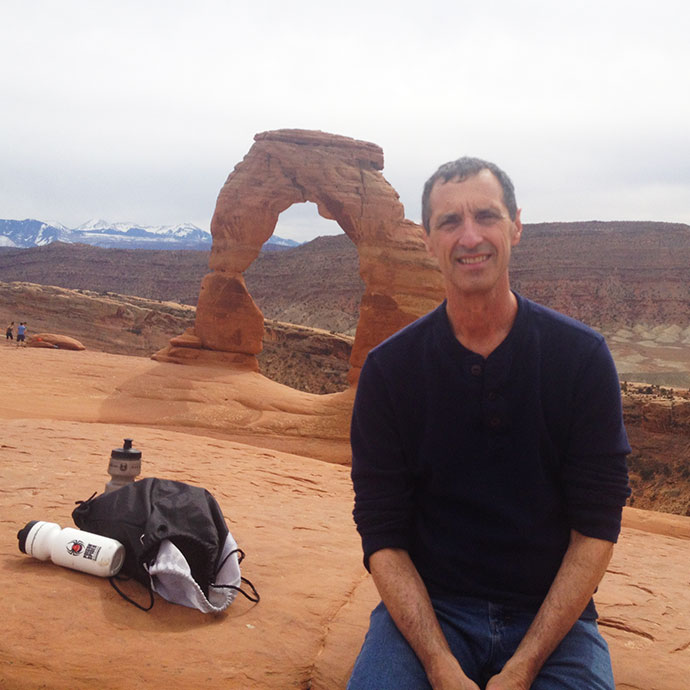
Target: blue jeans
x,y
482,636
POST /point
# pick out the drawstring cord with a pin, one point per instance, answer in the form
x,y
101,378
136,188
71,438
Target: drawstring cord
x,y
129,599
256,598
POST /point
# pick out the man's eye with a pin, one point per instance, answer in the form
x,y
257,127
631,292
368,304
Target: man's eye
x,y
447,223
486,216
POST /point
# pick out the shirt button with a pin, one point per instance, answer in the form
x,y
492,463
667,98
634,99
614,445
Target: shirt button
x,y
476,369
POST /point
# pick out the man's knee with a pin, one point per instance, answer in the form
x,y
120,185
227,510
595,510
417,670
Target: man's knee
x,y
386,661
582,660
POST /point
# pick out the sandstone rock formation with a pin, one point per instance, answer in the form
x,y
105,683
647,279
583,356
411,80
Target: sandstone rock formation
x,y
342,177
109,322
307,359
53,340
657,420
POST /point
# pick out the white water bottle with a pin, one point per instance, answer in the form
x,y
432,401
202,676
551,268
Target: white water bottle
x,y
72,548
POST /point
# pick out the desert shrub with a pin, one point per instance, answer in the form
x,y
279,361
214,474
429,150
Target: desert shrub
x,y
647,468
647,473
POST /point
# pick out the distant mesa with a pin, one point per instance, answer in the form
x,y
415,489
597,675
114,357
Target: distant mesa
x,y
342,177
54,341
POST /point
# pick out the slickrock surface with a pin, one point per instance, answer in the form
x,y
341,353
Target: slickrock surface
x,y
291,515
242,405
644,604
62,412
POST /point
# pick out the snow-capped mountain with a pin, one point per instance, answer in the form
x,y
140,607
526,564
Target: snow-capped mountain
x,y
130,235
102,233
31,233
281,243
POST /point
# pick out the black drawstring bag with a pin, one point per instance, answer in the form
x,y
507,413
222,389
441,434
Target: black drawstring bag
x,y
176,542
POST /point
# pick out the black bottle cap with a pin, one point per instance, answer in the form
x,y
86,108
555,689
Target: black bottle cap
x,y
126,452
23,534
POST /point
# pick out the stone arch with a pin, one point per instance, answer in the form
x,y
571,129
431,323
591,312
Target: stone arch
x,y
342,177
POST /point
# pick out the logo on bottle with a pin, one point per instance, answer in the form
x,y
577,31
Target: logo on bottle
x,y
88,551
75,547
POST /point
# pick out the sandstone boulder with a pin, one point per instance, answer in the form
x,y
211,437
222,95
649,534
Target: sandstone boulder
x,y
41,343
61,342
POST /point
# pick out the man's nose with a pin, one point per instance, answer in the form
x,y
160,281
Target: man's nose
x,y
469,235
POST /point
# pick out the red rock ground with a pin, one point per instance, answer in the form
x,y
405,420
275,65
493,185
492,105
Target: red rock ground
x,y
259,448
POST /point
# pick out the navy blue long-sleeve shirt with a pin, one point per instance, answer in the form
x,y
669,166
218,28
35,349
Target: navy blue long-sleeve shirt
x,y
480,468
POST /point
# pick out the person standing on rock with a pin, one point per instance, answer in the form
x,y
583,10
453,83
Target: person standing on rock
x,y
9,333
21,334
489,468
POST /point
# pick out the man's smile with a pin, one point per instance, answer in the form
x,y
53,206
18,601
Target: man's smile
x,y
466,260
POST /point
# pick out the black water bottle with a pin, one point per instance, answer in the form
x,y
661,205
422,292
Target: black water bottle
x,y
125,465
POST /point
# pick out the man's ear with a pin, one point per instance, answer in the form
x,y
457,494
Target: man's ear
x,y
517,229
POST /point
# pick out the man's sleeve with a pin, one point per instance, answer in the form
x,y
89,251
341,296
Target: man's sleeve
x,y
595,473
380,476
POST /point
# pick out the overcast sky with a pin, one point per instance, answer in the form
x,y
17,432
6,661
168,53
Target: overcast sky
x,y
138,110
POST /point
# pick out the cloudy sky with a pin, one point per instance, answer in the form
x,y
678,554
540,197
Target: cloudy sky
x,y
138,110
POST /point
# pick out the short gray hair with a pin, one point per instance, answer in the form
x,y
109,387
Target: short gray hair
x,y
460,170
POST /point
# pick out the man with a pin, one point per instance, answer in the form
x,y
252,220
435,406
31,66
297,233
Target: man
x,y
21,334
489,470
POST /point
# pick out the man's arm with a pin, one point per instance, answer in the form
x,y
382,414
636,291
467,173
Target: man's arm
x,y
583,566
407,600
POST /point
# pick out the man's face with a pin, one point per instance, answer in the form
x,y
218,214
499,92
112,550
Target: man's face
x,y
471,234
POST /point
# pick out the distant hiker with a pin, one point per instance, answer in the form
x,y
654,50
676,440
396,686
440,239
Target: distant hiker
x,y
9,332
21,334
